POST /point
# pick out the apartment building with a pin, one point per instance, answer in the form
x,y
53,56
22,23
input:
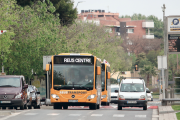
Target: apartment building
x,y
135,28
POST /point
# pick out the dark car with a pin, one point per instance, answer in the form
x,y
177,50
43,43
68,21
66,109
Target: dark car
x,y
13,92
33,97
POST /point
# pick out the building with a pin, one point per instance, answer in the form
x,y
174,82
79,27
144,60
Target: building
x,y
112,21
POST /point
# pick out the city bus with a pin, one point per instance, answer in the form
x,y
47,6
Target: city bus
x,y
75,80
106,85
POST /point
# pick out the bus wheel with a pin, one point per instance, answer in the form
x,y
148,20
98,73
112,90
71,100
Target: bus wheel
x,y
107,104
65,107
93,107
97,106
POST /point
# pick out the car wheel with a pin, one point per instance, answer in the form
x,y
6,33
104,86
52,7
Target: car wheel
x,y
29,107
93,107
145,107
119,107
65,107
151,99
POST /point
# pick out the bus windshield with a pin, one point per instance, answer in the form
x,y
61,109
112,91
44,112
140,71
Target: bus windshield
x,y
73,77
103,80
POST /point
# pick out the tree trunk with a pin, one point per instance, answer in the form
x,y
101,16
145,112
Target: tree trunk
x,y
147,80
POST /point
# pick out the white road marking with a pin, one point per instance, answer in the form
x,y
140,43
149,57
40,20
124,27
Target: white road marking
x,y
31,114
118,115
96,114
142,116
53,114
74,114
13,114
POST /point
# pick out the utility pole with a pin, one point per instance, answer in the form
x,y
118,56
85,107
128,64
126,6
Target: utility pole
x,y
165,45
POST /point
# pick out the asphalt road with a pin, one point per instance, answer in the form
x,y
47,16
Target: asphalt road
x,y
83,113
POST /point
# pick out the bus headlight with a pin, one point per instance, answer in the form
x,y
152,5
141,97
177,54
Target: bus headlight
x,y
103,96
54,96
91,96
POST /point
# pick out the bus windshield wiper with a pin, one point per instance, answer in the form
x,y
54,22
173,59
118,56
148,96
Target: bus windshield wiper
x,y
7,86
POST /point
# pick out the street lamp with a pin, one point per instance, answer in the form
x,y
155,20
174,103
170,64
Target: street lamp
x,y
79,2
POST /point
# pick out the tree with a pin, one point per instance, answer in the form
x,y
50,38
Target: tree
x,y
67,14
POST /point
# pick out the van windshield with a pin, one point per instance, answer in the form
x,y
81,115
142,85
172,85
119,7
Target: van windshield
x,y
132,87
10,82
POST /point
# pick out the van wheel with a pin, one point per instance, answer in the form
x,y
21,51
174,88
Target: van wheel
x,y
22,107
65,107
97,106
119,107
93,107
145,107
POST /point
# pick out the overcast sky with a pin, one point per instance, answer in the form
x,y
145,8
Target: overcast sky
x,y
129,7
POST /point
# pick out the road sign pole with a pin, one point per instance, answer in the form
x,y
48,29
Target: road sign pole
x,y
159,83
163,83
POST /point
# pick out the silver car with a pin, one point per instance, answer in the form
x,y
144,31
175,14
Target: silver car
x,y
33,97
149,94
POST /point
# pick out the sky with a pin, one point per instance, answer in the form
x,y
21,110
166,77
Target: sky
x,y
129,7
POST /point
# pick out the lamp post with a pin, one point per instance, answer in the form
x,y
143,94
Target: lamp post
x,y
78,3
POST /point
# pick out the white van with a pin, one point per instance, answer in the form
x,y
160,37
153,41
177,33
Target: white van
x,y
114,93
132,93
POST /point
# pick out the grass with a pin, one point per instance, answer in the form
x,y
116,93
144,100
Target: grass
x,y
178,115
156,96
176,107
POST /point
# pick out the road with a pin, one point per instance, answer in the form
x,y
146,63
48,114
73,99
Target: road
x,y
83,113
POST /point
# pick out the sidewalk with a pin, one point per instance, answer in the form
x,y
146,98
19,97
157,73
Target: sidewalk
x,y
166,113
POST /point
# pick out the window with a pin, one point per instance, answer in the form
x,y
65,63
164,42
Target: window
x,y
130,30
117,29
100,15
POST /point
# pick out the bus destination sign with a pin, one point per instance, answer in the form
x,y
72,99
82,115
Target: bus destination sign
x,y
73,60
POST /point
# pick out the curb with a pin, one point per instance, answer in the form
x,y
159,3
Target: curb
x,y
5,113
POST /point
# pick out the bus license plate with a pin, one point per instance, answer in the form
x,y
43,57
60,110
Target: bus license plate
x,y
131,101
5,101
73,100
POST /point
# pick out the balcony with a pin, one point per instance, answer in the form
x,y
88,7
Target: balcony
x,y
151,36
148,24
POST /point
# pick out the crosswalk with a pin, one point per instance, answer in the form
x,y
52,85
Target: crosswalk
x,y
92,115
110,107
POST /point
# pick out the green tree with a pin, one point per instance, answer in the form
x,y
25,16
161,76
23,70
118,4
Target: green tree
x,y
67,14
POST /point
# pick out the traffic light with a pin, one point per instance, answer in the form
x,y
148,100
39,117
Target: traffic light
x,y
136,67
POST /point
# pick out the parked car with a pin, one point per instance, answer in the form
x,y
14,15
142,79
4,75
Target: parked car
x,y
132,93
33,97
13,92
149,94
114,93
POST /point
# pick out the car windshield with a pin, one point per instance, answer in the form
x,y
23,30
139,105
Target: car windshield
x,y
10,82
132,87
114,88
73,76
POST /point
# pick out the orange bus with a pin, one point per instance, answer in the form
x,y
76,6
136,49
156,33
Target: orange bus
x,y
75,80
106,85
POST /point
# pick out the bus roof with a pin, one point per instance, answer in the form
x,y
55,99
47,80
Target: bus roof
x,y
75,54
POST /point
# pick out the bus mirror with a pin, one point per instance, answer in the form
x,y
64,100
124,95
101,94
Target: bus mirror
x,y
98,70
47,67
108,75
